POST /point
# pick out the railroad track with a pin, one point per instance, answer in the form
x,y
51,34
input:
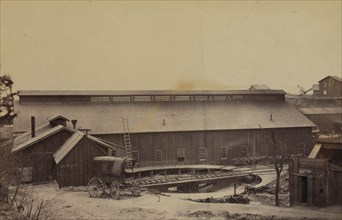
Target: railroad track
x,y
174,180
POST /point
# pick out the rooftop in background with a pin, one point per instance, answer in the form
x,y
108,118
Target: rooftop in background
x,y
167,116
320,110
143,92
334,77
259,87
48,96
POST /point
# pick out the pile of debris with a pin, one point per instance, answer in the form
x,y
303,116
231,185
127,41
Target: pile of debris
x,y
261,160
254,190
241,199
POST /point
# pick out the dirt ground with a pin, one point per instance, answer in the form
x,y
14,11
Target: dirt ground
x,y
75,203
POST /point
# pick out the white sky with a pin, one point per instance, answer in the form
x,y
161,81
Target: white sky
x,y
106,45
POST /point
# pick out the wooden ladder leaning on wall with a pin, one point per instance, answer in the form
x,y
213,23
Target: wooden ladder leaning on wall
x,y
127,141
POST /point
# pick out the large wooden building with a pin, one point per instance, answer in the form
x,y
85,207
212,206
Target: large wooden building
x,y
179,127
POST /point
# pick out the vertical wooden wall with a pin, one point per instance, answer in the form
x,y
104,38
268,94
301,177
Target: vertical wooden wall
x,y
192,141
40,156
323,185
325,122
331,86
76,168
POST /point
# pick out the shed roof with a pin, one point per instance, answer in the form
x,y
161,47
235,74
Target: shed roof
x,y
315,150
337,78
67,146
58,117
141,92
25,140
320,110
187,116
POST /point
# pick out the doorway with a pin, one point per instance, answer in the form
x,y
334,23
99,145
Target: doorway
x,y
303,186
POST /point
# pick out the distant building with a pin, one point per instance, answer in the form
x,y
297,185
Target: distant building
x,y
327,119
330,86
317,180
315,89
55,151
179,126
259,87
324,107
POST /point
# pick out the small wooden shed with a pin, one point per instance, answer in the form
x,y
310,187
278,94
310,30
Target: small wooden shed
x,y
55,151
317,180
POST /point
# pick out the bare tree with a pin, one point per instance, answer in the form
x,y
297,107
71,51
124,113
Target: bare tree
x,y
303,91
278,158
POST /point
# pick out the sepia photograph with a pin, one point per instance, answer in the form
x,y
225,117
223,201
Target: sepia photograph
x,y
158,109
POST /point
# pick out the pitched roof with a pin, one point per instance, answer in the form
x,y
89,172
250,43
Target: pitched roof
x,y
141,92
25,140
67,146
334,77
259,87
187,116
320,110
59,117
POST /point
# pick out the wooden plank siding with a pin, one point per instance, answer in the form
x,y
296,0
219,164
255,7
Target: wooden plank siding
x,y
168,142
76,168
49,144
40,156
323,185
330,87
325,122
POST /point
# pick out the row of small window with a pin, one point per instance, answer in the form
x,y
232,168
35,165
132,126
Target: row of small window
x,y
176,98
203,153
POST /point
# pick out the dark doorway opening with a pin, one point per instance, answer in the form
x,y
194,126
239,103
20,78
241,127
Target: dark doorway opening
x,y
304,189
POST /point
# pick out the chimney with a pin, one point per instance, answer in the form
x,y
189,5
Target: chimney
x,y
74,122
85,130
164,123
33,126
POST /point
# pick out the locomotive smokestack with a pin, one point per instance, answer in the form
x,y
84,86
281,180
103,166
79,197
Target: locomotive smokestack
x,y
33,126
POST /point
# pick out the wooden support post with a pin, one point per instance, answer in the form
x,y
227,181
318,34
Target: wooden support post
x,y
296,191
310,190
235,186
291,182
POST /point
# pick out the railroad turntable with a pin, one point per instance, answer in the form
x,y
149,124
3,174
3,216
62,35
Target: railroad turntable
x,y
116,176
